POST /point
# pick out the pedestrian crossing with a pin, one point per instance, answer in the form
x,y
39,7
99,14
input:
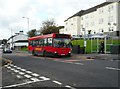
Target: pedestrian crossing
x,y
31,77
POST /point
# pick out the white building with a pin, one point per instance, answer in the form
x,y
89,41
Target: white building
x,y
18,41
104,17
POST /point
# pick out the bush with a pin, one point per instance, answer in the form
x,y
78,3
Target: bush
x,y
24,49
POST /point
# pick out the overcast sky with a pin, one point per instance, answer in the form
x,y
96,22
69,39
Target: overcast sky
x,y
12,11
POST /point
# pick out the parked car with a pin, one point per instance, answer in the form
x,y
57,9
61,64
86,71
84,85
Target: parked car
x,y
7,50
0,46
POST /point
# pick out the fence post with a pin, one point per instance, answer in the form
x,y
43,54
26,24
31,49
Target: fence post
x,y
105,44
91,45
97,44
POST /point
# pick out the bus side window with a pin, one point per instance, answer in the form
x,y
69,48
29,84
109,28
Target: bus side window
x,y
49,41
34,43
30,43
45,42
41,42
37,42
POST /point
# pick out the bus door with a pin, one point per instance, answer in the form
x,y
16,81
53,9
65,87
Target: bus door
x,y
39,46
49,45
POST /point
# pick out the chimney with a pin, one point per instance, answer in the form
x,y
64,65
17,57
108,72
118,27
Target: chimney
x,y
21,32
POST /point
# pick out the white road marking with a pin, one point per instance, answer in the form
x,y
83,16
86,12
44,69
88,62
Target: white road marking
x,y
15,85
16,71
22,69
21,73
15,66
29,72
44,78
12,69
36,75
70,87
79,63
18,68
57,82
11,65
34,79
8,67
27,76
18,76
110,68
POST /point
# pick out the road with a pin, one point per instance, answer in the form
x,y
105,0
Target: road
x,y
33,71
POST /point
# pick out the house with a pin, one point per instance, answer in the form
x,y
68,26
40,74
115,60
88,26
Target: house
x,y
102,18
18,41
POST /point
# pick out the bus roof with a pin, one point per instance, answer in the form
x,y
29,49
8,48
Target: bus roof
x,y
46,36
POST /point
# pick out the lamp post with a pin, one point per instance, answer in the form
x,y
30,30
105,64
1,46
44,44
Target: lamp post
x,y
27,22
11,43
83,29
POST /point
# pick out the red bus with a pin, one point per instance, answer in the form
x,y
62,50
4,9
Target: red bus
x,y
51,44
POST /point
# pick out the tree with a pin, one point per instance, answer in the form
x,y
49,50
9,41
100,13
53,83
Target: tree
x,y
49,26
32,33
4,41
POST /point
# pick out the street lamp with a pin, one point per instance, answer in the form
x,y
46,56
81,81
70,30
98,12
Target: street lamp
x,y
27,22
11,43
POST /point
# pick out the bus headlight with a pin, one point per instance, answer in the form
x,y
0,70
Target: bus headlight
x,y
55,52
69,51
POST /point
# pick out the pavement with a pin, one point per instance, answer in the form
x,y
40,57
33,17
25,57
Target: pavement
x,y
95,56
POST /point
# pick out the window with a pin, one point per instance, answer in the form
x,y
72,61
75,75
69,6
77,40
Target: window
x,y
101,10
31,43
110,8
37,42
110,19
60,42
101,21
45,42
81,18
102,30
86,17
74,19
49,41
87,24
41,41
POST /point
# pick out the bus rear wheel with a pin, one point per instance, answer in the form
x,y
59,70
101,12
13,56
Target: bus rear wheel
x,y
44,53
33,53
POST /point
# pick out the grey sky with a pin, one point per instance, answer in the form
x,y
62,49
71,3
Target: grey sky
x,y
12,11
